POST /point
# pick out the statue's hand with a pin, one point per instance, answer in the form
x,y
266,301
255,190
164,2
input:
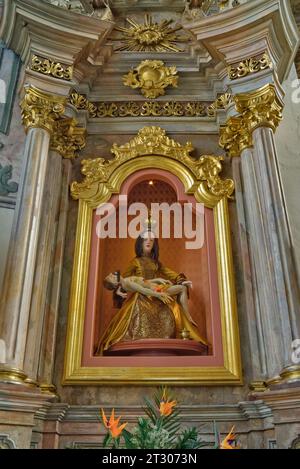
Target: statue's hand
x,y
121,293
162,281
164,298
187,283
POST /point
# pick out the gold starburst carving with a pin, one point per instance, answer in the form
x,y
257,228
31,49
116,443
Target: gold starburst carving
x,y
150,36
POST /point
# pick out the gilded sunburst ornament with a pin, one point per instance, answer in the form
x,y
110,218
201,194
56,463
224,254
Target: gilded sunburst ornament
x,y
150,36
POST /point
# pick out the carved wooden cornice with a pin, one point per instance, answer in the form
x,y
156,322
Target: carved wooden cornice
x,y
231,37
56,35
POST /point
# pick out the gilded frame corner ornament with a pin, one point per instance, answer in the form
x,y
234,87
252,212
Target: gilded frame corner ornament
x,y
151,148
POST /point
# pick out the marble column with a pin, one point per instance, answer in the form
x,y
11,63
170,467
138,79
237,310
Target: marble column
x,y
275,290
42,274
249,319
47,354
66,140
39,112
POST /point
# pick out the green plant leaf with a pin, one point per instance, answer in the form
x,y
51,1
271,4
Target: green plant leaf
x,y
189,440
107,440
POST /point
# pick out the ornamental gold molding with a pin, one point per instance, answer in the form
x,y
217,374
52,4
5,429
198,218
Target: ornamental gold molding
x,y
41,109
67,139
235,136
220,103
151,109
141,108
153,141
208,169
12,375
258,386
48,67
151,148
82,103
150,36
248,66
152,77
260,108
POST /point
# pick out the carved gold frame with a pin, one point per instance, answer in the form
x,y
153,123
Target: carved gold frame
x,y
153,149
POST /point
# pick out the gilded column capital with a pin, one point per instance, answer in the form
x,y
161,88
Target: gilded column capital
x,y
235,136
260,108
67,139
40,109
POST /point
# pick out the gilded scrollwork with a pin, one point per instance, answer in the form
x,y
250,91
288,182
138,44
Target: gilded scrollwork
x,y
141,108
208,169
152,77
235,136
248,66
78,100
49,67
151,109
220,103
67,138
154,141
41,109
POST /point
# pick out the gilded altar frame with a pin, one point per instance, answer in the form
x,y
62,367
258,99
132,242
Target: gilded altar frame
x,y
151,148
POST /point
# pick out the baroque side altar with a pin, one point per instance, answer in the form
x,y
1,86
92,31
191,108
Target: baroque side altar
x,y
149,173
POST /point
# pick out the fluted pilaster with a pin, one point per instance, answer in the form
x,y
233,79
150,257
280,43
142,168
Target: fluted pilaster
x,y
250,135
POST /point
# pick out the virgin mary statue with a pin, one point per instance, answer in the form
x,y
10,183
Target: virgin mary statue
x,y
156,300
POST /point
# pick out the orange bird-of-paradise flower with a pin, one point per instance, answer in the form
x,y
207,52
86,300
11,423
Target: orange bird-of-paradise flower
x,y
112,424
228,441
166,406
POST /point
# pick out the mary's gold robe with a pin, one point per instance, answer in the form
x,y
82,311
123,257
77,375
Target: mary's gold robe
x,y
143,317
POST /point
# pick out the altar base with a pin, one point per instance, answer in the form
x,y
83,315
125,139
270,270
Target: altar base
x,y
157,347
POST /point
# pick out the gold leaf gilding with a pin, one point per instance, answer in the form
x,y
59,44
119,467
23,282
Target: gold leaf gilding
x,y
152,77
